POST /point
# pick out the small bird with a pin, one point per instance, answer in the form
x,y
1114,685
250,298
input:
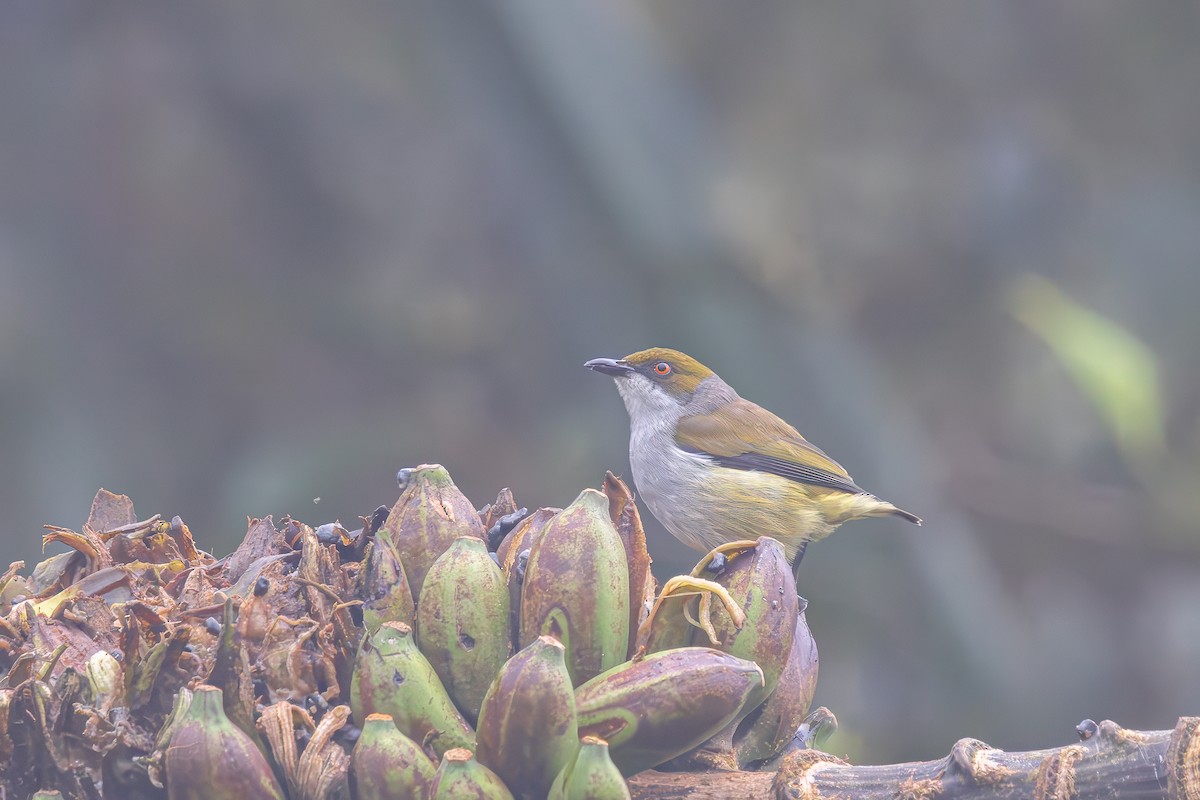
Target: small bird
x,y
714,467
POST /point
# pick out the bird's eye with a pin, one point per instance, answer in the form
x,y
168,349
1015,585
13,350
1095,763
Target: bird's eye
x,y
662,368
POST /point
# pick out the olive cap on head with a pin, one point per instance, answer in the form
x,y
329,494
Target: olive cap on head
x,y
676,372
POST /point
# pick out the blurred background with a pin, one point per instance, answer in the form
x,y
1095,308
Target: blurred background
x,y
256,255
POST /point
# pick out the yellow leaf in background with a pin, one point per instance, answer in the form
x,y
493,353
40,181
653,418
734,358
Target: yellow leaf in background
x,y
1113,368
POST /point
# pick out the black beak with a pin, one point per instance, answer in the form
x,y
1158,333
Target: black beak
x,y
610,367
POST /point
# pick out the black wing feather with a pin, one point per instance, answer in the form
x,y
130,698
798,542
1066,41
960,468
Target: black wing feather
x,y
800,473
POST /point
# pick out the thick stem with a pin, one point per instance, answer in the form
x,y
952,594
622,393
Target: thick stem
x,y
1109,761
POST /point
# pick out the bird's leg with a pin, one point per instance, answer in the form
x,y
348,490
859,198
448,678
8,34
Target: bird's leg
x,y
796,561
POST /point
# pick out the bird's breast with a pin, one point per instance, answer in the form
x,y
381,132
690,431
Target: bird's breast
x,y
703,504
669,480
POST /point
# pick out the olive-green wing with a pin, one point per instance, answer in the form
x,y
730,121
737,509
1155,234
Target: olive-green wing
x,y
778,447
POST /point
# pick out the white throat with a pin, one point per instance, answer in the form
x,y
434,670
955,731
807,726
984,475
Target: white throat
x,y
647,403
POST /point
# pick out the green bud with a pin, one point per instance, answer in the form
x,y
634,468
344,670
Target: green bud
x,y
577,588
387,596
527,730
650,711
592,776
461,777
387,764
769,728
430,514
462,622
210,758
392,677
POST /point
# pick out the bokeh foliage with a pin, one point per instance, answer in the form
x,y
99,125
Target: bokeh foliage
x,y
251,257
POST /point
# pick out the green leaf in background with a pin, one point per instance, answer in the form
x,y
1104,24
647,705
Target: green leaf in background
x,y
1113,368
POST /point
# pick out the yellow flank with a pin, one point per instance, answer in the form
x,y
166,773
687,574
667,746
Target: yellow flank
x,y
747,504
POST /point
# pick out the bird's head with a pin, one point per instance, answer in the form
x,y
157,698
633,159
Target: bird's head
x,y
658,381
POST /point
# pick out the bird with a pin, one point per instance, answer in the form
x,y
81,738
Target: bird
x,y
713,467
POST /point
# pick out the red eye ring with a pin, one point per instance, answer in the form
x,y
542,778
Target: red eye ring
x,y
662,368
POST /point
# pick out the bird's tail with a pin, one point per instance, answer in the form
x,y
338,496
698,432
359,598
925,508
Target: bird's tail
x,y
900,512
886,509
